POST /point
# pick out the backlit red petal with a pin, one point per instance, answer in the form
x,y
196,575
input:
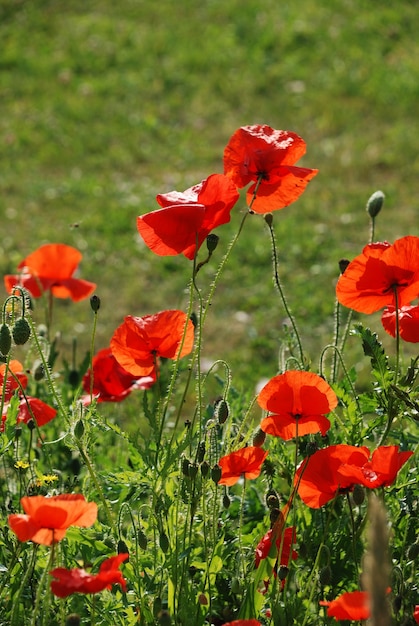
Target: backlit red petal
x,y
272,197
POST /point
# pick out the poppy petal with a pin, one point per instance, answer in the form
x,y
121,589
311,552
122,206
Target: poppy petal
x,y
272,197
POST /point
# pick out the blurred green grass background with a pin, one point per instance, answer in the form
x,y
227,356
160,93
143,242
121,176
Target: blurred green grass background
x,y
105,104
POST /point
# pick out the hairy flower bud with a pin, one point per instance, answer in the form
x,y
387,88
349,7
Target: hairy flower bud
x,y
216,473
95,303
221,411
375,203
5,339
212,242
21,331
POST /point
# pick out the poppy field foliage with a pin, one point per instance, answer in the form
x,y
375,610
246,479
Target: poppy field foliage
x,y
297,503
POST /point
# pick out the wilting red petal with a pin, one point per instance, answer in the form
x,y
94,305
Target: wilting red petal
x,y
408,322
370,281
77,580
188,217
139,341
296,398
51,267
287,540
352,605
317,476
246,462
34,408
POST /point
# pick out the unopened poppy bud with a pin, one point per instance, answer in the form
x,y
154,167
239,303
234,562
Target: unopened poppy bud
x,y
73,378
235,586
272,499
282,572
343,264
18,432
193,470
311,448
216,473
31,424
95,303
325,575
157,606
164,542
413,551
185,467
5,339
397,603
226,501
205,469
273,515
194,319
142,539
21,331
201,452
79,429
164,618
259,438
72,620
269,218
375,203
39,372
122,548
222,411
212,242
358,495
202,599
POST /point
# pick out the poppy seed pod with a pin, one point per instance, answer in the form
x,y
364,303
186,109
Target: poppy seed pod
x,y
375,203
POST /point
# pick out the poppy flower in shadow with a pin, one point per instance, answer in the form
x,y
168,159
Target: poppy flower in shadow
x,y
408,322
352,605
111,383
283,545
382,275
46,520
266,157
187,218
14,377
139,341
297,402
416,614
246,462
51,268
69,581
336,469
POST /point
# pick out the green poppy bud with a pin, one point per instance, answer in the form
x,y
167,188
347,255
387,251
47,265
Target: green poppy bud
x,y
5,339
375,203
21,331
216,473
325,575
221,411
212,242
142,539
95,303
164,542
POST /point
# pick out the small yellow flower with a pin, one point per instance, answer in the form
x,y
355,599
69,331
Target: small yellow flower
x,y
22,465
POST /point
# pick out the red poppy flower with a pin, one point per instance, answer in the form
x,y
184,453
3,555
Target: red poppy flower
x,y
76,580
380,471
372,279
46,520
111,383
187,218
262,154
51,267
138,342
296,399
246,462
416,614
265,544
336,469
12,384
352,605
408,322
30,408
